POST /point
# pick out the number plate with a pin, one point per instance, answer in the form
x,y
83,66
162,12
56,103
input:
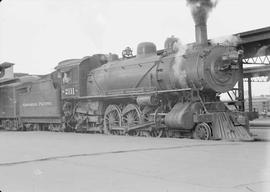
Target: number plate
x,y
69,91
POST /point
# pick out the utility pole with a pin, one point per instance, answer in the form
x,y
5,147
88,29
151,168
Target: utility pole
x,y
241,85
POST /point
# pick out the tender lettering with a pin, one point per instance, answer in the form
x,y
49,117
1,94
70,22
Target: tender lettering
x,y
38,104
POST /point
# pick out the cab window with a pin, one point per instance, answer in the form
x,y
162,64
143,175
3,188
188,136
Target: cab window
x,y
66,77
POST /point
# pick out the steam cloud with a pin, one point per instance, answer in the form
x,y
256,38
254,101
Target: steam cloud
x,y
200,9
178,69
230,40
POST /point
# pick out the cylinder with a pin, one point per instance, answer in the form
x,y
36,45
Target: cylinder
x,y
181,115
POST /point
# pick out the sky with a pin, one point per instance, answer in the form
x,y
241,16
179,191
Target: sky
x,y
37,34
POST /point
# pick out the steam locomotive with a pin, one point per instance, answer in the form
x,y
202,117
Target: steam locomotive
x,y
169,93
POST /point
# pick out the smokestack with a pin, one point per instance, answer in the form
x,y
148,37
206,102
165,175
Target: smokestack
x,y
200,10
201,33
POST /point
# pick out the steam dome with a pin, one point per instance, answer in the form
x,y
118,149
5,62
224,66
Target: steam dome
x,y
146,49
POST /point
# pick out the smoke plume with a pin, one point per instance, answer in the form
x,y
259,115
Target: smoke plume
x,y
200,9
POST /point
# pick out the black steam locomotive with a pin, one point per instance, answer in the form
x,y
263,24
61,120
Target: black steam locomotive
x,y
172,93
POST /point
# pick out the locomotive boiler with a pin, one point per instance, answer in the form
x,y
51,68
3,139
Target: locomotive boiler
x,y
211,68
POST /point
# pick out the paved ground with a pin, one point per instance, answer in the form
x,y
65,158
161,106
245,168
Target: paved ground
x,y
44,161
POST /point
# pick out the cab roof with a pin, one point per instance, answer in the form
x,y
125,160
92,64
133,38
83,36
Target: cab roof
x,y
70,63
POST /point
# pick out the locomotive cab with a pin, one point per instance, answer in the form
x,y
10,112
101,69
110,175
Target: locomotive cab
x,y
73,73
68,75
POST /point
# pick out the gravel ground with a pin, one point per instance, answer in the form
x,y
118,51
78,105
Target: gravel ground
x,y
44,161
